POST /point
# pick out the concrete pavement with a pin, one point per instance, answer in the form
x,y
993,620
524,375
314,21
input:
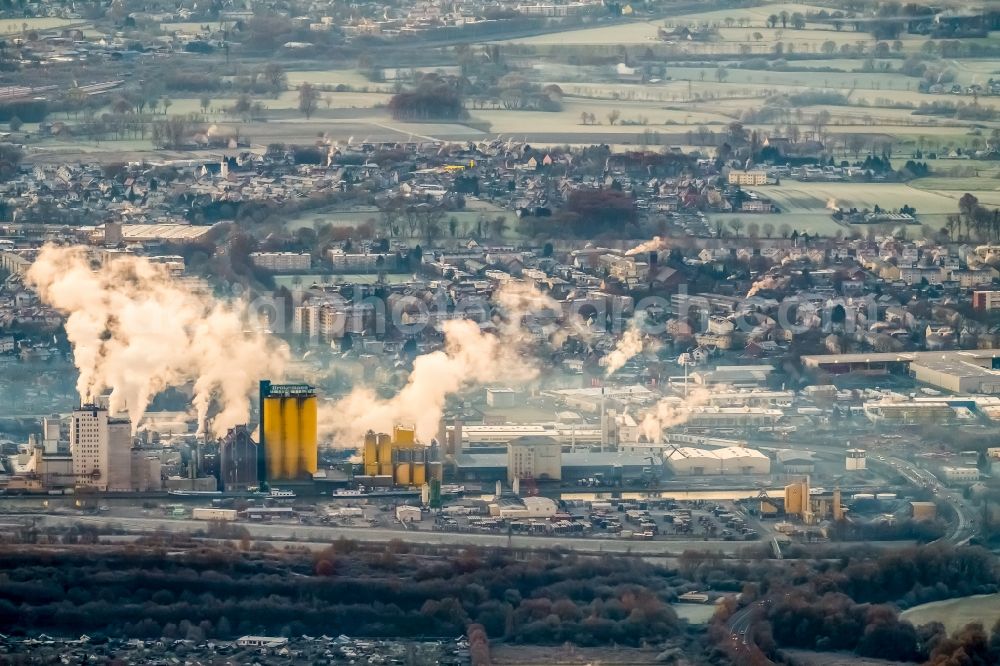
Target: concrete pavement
x,y
329,534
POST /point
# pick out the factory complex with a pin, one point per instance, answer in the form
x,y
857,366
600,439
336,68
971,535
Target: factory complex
x,y
596,436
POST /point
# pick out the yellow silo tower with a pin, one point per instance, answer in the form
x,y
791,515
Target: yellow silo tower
x,y
371,453
288,430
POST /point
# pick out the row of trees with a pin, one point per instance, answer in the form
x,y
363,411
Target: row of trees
x,y
976,219
546,598
431,99
848,600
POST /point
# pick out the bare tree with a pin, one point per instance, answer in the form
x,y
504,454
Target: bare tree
x,y
308,99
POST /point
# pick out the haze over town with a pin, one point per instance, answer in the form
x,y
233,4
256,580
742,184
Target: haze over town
x,y
500,332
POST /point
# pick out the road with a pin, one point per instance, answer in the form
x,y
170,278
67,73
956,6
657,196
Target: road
x,y
964,527
741,626
741,622
375,534
961,531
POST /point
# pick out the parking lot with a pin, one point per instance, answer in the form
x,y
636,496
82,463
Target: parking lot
x,y
624,519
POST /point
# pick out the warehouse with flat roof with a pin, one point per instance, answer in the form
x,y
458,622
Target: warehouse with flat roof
x,y
492,466
690,461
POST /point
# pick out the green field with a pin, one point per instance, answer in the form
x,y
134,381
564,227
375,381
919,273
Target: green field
x,y
956,613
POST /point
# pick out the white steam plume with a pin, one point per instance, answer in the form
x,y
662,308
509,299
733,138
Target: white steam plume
x,y
766,282
656,244
137,332
469,357
670,412
520,300
628,346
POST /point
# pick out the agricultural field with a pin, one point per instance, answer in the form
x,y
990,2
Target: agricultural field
x,y
622,33
804,206
813,223
569,119
288,100
795,197
11,26
467,219
956,613
334,77
757,16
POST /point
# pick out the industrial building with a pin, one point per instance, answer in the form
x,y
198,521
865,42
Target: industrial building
x,y
917,411
810,505
876,363
689,461
515,508
956,375
732,417
923,510
534,458
147,476
239,460
398,459
472,436
501,397
288,432
856,459
37,470
491,465
101,448
736,376
959,475
794,461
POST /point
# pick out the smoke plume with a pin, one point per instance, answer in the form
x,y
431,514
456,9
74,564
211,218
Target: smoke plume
x,y
766,282
655,245
137,332
628,346
520,302
469,357
670,412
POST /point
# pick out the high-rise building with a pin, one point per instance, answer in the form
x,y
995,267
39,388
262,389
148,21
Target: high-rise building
x,y
239,460
101,446
288,432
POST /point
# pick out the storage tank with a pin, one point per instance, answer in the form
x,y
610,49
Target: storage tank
x,y
403,474
435,492
273,438
404,436
385,469
371,454
384,448
288,426
419,474
290,450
